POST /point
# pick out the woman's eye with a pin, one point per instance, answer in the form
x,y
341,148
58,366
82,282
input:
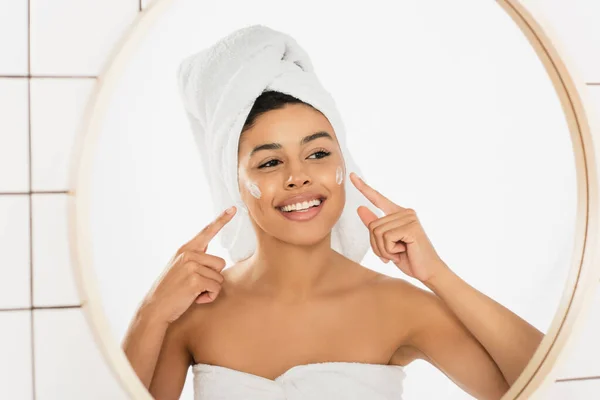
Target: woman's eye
x,y
326,153
322,152
267,164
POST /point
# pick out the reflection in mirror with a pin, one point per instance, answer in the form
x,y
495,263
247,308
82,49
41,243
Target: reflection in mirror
x,y
470,190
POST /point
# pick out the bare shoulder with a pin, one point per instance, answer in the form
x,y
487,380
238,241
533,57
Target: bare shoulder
x,y
186,327
395,292
409,308
194,322
415,303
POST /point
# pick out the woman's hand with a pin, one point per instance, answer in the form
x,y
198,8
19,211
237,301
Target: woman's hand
x,y
398,236
191,276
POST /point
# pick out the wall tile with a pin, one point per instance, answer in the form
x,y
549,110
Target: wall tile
x,y
594,95
577,31
57,107
15,274
582,358
13,37
14,134
16,381
573,390
53,279
68,365
89,30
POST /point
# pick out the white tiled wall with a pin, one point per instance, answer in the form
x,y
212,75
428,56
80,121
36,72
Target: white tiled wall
x,y
53,280
68,364
587,389
15,276
60,359
13,37
582,360
16,378
47,350
576,27
57,106
14,128
89,29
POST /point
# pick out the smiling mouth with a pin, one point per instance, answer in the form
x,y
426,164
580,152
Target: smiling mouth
x,y
303,215
312,204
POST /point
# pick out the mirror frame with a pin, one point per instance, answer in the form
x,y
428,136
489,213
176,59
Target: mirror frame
x,y
584,272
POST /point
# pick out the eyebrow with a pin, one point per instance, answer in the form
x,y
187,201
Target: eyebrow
x,y
277,146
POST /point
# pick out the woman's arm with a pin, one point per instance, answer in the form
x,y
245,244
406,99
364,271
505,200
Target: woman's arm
x,y
158,353
428,329
509,340
479,343
156,342
142,344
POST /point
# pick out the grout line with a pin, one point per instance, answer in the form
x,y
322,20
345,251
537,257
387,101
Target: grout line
x,y
39,308
56,307
35,192
593,83
587,378
15,309
32,322
49,76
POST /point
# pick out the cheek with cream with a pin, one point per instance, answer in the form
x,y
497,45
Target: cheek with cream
x,y
253,189
339,175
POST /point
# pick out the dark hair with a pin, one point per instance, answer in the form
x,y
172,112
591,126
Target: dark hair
x,y
267,101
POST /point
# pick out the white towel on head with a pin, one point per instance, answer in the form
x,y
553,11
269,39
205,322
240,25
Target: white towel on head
x,y
219,85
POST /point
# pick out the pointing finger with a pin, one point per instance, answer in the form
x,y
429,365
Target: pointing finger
x,y
379,200
367,216
202,239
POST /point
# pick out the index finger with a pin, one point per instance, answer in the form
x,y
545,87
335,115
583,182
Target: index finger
x,y
202,239
379,200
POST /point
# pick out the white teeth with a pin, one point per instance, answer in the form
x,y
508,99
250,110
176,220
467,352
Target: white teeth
x,y
300,206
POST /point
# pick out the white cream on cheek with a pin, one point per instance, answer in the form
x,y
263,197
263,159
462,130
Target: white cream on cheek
x,y
250,185
339,175
253,189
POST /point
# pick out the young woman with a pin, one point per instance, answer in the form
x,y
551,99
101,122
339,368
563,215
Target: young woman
x,y
298,309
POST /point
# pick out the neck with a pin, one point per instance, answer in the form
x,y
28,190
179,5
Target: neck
x,y
290,272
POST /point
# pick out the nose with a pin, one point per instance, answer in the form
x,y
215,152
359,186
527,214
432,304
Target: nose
x,y
297,178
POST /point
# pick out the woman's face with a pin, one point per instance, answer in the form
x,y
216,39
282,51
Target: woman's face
x,y
301,156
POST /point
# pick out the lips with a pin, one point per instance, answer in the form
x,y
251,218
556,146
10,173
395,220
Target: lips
x,y
308,196
301,216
